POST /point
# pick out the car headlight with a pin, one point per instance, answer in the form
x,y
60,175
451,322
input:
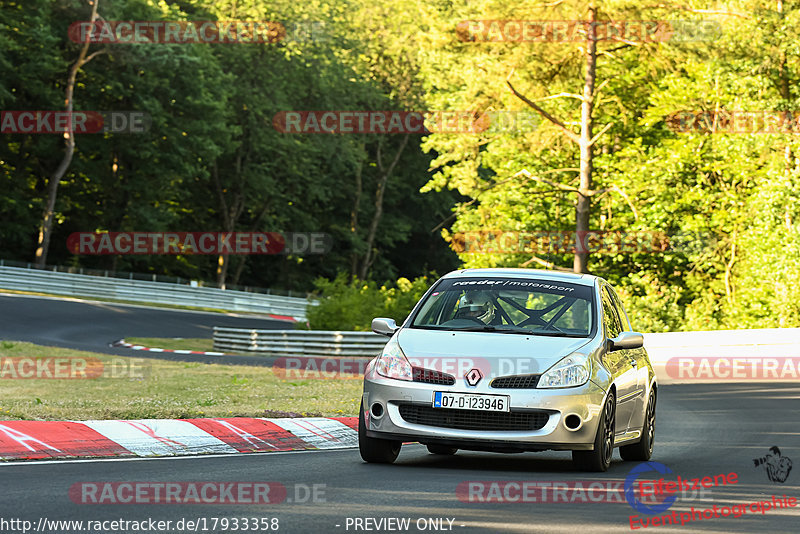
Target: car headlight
x,y
393,363
574,370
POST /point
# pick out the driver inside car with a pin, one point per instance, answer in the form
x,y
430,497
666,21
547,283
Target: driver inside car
x,y
475,305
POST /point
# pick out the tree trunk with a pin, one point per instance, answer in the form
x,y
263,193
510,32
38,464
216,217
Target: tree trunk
x,y
222,270
373,227
786,95
243,259
46,227
583,204
229,217
354,219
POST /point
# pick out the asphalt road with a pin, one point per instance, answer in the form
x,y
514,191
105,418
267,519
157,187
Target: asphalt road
x,y
92,326
701,430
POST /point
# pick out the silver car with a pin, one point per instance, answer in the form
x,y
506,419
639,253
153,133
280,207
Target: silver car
x,y
511,360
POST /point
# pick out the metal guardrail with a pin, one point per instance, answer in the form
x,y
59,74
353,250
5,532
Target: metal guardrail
x,y
298,342
715,345
150,277
79,285
776,343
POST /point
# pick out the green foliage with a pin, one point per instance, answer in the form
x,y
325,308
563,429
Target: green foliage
x,y
352,304
737,192
211,159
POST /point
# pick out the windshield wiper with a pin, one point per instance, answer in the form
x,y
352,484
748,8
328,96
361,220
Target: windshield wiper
x,y
491,328
553,333
516,330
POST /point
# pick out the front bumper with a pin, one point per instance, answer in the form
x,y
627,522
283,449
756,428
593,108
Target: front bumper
x,y
584,401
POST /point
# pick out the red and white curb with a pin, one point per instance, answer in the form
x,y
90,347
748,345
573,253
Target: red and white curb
x,y
286,318
36,440
123,343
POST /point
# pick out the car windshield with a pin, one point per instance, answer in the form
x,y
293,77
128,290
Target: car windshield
x,y
508,305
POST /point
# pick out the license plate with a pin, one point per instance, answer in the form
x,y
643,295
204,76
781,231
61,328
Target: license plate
x,y
470,401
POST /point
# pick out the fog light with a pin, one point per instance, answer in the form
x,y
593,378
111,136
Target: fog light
x,y
573,422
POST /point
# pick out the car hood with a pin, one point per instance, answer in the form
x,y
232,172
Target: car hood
x,y
493,353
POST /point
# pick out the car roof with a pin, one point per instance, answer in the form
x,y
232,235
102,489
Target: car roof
x,y
541,274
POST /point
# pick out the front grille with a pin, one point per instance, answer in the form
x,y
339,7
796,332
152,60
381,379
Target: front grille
x,y
431,376
516,382
419,414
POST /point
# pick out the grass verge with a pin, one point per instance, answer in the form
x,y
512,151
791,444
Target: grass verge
x,y
145,388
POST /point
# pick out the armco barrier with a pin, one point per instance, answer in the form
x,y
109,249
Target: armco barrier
x,y
80,285
716,356
298,342
721,348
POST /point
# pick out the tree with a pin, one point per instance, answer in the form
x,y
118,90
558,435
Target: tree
x,y
46,227
586,140
550,69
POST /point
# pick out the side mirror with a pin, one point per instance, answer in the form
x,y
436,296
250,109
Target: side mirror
x,y
384,326
627,340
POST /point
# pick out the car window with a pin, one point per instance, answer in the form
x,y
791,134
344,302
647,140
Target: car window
x,y
570,316
626,323
517,305
611,321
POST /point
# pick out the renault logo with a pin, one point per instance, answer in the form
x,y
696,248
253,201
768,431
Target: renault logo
x,y
473,377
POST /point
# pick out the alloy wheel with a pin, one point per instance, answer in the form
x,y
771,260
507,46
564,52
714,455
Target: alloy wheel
x,y
608,438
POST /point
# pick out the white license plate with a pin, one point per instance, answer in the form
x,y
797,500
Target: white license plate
x,y
471,401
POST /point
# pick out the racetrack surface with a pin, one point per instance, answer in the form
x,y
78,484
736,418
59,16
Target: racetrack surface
x,y
702,430
92,326
705,429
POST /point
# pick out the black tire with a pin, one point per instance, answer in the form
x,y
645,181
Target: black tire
x,y
642,451
442,449
599,459
373,450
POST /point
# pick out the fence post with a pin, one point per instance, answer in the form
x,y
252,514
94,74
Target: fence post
x,y
253,340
